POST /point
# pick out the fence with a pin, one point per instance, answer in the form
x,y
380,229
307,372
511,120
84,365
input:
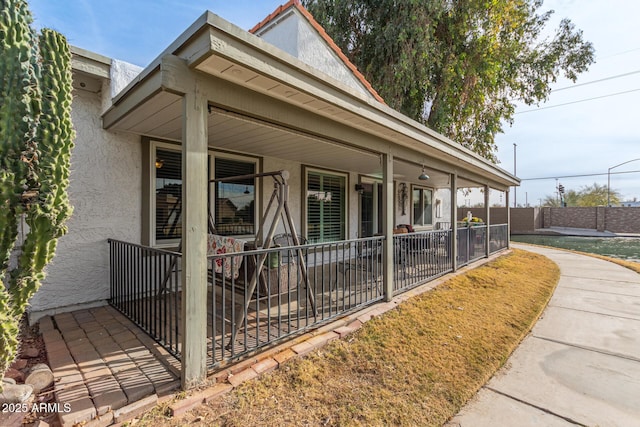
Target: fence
x,y
420,257
141,278
295,288
257,298
471,243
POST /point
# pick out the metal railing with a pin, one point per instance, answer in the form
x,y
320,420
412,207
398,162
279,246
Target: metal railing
x,y
498,237
472,243
257,298
143,283
284,291
419,257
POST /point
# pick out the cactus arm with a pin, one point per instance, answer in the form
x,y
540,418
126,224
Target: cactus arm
x,y
47,215
36,139
19,115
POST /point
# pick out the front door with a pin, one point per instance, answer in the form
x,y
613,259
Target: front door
x,y
371,209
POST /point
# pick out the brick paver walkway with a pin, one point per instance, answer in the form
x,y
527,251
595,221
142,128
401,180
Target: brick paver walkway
x,y
103,364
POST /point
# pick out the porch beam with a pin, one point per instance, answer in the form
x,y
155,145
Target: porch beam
x,y
194,238
487,208
387,225
262,108
122,107
454,221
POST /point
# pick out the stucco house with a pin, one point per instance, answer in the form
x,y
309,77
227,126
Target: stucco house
x,y
249,135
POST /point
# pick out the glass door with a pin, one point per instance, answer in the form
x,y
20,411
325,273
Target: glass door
x,y
371,209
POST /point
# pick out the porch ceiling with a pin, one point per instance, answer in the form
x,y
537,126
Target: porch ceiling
x,y
256,90
161,117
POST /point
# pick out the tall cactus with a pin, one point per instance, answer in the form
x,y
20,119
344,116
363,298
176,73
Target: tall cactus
x,y
36,138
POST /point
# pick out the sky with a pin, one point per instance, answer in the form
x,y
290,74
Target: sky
x,y
584,128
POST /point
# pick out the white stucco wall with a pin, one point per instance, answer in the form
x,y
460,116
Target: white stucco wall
x,y
294,35
105,192
442,194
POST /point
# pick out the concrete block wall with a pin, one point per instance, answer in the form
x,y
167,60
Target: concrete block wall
x,y
622,219
613,219
575,217
525,220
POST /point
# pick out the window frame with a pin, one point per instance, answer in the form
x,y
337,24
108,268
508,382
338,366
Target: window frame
x,y
256,186
378,218
149,208
422,190
306,170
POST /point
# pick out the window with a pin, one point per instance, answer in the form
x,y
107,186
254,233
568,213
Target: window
x,y
326,207
233,207
235,200
168,193
422,206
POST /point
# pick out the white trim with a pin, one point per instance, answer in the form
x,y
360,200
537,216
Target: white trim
x,y
305,189
176,147
153,146
411,216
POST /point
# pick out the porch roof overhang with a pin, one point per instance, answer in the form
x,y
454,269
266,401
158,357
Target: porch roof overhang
x,y
266,102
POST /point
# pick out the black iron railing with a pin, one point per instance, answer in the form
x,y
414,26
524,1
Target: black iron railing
x,y
472,243
284,291
144,282
420,257
498,237
257,298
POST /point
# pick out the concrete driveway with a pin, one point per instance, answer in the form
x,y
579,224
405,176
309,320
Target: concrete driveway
x,y
581,363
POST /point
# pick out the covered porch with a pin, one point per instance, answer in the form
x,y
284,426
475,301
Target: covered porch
x,y
219,91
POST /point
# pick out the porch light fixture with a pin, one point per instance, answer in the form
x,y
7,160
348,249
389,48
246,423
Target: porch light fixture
x,y
159,163
423,176
360,188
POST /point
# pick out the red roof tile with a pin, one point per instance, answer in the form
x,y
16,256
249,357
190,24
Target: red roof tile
x,y
324,35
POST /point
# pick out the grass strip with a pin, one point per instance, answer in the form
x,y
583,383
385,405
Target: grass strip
x,y
416,365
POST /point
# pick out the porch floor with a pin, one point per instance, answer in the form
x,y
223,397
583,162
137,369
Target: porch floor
x,y
102,362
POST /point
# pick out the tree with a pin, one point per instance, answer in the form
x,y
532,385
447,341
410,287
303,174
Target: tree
x,y
457,66
589,195
596,195
551,201
36,138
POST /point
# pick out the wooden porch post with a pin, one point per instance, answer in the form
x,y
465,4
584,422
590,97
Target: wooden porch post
x,y
387,225
487,214
506,197
454,221
194,238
